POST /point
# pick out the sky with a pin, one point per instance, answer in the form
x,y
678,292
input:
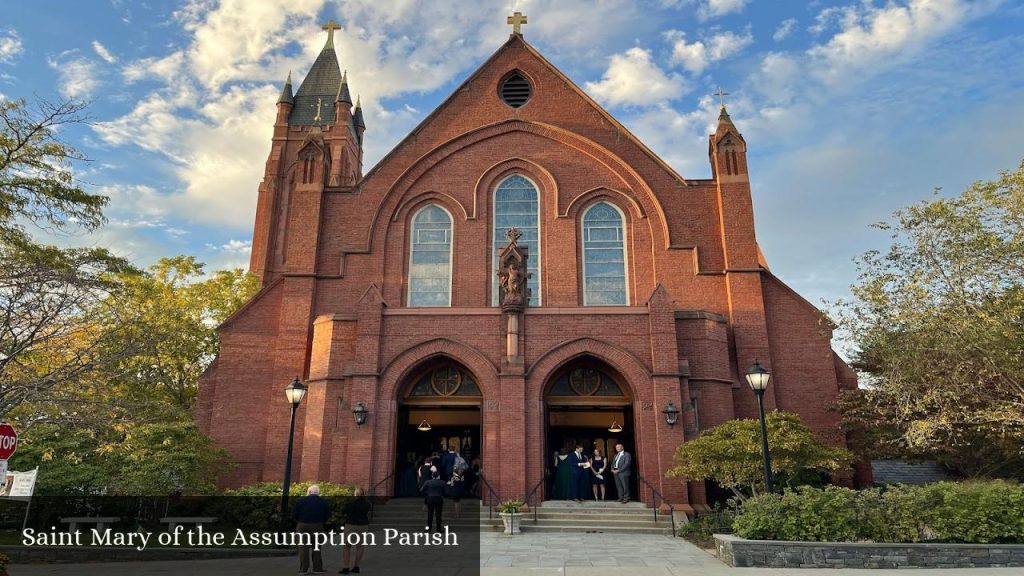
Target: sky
x,y
850,108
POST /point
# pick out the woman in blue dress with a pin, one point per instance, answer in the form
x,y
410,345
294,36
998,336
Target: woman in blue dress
x,y
597,475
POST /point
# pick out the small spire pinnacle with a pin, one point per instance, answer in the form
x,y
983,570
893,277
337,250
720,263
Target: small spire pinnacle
x,y
357,115
330,26
343,94
286,92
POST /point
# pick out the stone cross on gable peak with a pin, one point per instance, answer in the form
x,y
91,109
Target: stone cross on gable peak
x,y
516,20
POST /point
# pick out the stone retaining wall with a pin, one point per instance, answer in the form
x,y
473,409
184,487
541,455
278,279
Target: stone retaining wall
x,y
782,554
76,554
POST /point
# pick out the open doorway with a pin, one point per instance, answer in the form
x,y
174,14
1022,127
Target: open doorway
x,y
439,409
586,404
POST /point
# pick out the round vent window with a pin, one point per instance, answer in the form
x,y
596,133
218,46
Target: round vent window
x,y
516,90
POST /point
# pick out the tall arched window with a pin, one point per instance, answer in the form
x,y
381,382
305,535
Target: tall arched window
x,y
516,205
430,258
604,256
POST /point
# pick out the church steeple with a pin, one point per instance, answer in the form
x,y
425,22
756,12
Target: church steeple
x,y
320,86
727,148
285,102
343,94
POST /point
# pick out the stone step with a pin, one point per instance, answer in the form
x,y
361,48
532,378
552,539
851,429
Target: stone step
x,y
591,530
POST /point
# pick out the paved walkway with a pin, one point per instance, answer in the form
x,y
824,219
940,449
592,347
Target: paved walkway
x,y
537,554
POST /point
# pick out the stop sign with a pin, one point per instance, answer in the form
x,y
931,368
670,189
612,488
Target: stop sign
x,y
8,441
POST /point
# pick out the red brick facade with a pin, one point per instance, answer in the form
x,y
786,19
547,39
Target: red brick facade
x,y
332,248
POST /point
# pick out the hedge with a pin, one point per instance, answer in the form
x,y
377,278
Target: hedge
x,y
967,512
258,505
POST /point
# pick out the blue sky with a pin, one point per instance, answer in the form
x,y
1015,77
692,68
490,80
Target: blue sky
x,y
850,108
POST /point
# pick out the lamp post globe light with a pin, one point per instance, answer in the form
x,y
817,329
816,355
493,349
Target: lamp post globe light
x,y
758,378
295,392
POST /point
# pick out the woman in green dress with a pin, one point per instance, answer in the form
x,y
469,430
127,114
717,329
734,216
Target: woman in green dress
x,y
563,476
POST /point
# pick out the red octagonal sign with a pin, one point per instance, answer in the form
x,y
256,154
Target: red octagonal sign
x,y
8,441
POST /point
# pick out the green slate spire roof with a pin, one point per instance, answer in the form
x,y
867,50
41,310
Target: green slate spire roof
x,y
357,115
286,92
343,93
314,101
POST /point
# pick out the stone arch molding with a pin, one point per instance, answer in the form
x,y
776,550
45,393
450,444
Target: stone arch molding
x,y
401,367
393,199
624,362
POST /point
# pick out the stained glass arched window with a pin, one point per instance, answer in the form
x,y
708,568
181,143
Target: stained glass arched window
x,y
604,256
430,258
516,205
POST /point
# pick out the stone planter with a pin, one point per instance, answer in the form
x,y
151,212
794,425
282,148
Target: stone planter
x,y
511,521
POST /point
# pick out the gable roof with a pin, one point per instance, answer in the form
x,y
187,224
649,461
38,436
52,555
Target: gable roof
x,y
514,39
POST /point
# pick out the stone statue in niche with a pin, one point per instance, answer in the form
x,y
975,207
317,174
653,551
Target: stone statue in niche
x,y
512,274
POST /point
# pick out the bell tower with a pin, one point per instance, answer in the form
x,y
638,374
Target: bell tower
x,y
317,146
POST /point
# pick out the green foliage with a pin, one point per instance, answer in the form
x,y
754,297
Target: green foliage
x,y
510,506
37,182
701,528
126,425
970,512
153,459
731,454
937,322
258,505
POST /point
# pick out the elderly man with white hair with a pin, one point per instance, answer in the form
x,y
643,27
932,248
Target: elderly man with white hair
x,y
310,513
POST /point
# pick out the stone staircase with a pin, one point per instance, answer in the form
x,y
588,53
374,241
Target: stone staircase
x,y
552,516
594,517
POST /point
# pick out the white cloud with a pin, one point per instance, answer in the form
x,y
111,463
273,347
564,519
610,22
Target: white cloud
x,y
633,77
103,53
78,75
869,35
707,9
696,56
234,246
784,30
10,46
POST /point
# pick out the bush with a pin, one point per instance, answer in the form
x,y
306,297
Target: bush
x,y
969,512
259,505
700,529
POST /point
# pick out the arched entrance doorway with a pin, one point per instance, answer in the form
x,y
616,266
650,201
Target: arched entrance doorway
x,y
439,408
587,403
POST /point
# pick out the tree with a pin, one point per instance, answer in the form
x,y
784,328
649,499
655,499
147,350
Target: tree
x,y
730,454
127,427
50,298
37,183
938,325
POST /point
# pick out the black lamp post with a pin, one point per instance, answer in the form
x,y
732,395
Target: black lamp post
x,y
359,413
671,414
758,379
295,392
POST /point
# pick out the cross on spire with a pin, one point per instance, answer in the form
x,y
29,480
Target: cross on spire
x,y
516,20
721,96
331,26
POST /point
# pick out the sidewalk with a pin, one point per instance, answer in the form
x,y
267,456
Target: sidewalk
x,y
537,554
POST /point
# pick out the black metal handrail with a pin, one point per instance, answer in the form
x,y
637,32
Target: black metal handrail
x,y
530,495
491,492
654,504
373,491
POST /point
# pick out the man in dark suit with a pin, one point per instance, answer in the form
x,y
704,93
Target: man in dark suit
x,y
580,474
310,513
622,470
448,464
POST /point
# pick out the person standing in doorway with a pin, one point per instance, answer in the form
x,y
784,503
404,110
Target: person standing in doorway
x,y
310,514
433,489
622,470
597,466
448,464
580,473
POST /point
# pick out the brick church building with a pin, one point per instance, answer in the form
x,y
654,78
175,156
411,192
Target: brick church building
x,y
625,289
